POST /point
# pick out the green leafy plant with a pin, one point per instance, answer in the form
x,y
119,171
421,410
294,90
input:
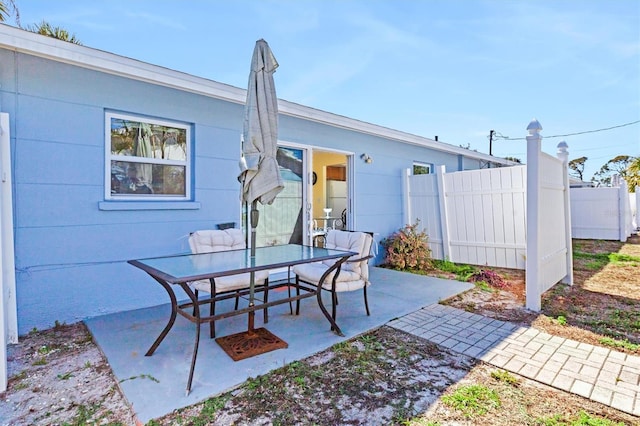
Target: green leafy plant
x,y
65,376
40,361
407,248
419,422
209,410
505,377
141,376
561,320
18,381
600,260
462,272
583,419
20,386
618,258
608,341
44,350
483,286
473,400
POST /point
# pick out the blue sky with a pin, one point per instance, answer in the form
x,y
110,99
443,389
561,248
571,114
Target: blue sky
x,y
452,68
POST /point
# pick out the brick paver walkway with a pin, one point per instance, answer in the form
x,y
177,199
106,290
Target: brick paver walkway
x,y
600,374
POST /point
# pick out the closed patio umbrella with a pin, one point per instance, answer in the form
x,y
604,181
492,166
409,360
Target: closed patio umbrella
x,y
259,172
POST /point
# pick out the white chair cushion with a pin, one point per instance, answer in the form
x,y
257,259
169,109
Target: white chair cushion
x,y
231,282
312,272
359,242
352,276
217,240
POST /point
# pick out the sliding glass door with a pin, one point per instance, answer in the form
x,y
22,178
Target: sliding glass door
x,y
317,188
283,222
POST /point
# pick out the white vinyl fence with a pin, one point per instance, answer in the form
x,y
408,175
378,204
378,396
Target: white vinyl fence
x,y
549,254
480,217
601,213
475,216
8,306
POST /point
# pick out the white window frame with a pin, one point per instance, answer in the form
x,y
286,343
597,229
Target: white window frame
x,y
429,167
111,157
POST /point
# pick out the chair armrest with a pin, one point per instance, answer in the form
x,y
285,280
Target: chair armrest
x,y
359,260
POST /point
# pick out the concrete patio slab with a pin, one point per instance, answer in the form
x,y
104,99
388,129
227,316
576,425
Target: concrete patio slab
x,y
156,385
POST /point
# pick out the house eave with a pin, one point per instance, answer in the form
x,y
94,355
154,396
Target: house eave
x,y
26,42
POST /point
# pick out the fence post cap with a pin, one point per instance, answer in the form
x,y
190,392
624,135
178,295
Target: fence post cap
x,y
562,147
534,127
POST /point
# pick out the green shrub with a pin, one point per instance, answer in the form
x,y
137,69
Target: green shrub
x,y
407,248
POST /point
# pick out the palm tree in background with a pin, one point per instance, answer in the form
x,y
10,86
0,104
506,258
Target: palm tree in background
x,y
45,28
633,175
8,8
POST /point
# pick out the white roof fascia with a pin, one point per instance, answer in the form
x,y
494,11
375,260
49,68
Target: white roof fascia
x,y
22,41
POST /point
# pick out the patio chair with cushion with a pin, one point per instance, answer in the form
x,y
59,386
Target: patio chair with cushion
x,y
207,241
353,273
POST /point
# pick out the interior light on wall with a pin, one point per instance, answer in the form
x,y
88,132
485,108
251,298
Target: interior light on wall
x,y
366,158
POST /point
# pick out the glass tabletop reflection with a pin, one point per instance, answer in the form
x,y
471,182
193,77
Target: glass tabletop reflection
x,y
191,267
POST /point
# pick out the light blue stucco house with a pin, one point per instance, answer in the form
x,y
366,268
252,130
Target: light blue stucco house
x,y
115,159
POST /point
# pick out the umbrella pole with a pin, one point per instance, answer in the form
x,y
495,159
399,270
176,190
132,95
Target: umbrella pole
x,y
255,216
253,341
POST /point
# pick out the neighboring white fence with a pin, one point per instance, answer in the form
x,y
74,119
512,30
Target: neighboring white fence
x,y
480,216
601,213
635,207
474,216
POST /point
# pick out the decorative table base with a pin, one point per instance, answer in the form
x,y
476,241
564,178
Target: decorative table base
x,y
250,343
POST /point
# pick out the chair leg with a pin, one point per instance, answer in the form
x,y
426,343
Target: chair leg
x,y
297,294
289,289
266,300
237,299
212,309
194,308
366,303
289,294
212,312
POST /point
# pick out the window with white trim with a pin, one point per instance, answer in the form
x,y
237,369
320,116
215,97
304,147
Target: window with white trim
x,y
422,168
146,158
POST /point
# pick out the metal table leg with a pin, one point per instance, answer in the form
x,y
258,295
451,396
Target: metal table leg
x,y
196,314
172,318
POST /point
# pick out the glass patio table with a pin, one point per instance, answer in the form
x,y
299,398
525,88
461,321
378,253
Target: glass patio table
x,y
180,270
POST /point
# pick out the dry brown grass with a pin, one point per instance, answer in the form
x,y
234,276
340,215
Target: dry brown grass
x,y
602,304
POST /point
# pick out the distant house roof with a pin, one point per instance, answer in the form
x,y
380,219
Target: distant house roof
x,y
27,42
577,183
